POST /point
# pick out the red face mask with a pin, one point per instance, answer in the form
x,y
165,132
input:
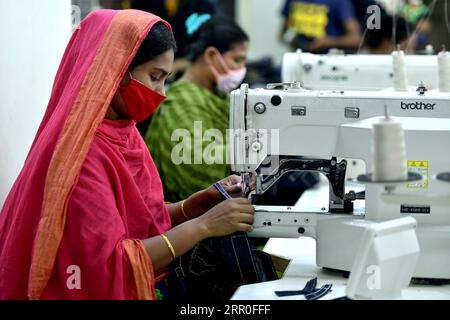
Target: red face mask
x,y
140,100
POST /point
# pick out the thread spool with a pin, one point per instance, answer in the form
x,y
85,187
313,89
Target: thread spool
x,y
444,70
399,70
389,152
292,67
429,50
298,73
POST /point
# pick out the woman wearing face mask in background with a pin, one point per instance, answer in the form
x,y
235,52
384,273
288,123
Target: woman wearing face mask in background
x,y
197,103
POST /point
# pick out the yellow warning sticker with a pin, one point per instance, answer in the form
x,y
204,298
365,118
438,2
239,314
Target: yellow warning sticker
x,y
421,167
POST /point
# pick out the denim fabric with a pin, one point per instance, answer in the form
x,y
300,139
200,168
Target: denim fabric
x,y
216,267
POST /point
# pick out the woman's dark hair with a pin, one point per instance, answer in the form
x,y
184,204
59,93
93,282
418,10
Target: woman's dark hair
x,y
220,32
159,40
375,37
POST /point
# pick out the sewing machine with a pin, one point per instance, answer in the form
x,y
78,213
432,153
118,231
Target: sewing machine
x,y
287,128
369,72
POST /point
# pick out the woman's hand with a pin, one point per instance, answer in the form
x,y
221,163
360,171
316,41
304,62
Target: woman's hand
x,y
228,217
232,185
202,201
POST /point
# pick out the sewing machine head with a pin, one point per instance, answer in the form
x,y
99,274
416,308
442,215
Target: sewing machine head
x,y
286,128
356,71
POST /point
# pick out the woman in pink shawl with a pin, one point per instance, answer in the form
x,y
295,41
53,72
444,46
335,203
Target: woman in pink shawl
x,y
86,218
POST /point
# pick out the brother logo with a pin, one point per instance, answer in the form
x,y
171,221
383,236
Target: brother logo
x,y
418,106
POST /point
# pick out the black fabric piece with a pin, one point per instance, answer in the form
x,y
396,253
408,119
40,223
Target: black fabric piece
x,y
342,298
215,268
324,290
288,189
310,291
309,288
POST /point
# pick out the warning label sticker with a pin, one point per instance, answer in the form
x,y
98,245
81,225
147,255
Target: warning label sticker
x,y
421,167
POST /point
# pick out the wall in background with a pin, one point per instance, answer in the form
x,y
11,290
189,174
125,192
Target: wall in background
x,y
261,19
33,36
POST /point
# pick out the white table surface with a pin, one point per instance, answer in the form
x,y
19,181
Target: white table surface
x,y
303,268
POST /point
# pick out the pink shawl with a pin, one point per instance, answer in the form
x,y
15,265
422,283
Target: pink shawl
x,y
72,225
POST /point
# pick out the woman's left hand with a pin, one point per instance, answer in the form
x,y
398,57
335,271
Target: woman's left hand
x,y
202,201
232,185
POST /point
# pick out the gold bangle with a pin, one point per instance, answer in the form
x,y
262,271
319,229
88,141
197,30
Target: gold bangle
x,y
169,245
182,210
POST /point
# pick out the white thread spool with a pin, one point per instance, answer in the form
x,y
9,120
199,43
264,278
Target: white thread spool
x,y
291,70
298,73
429,50
444,70
399,70
389,152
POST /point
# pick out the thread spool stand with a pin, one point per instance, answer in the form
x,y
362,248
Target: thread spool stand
x,y
376,209
368,178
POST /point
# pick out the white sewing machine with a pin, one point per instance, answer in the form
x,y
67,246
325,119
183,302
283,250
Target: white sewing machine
x,y
287,128
355,71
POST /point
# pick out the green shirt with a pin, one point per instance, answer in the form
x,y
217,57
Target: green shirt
x,y
187,139
414,14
